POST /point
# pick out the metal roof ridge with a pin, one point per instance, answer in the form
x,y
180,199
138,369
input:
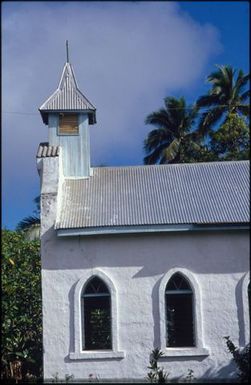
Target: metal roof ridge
x,y
171,165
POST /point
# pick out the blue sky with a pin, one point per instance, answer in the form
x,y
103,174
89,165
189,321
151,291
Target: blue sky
x,y
127,57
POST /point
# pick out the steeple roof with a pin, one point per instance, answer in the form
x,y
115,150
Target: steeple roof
x,y
68,98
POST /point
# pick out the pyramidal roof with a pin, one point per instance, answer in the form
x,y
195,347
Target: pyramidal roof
x,y
68,98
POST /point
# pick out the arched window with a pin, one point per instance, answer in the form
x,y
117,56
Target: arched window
x,y
96,315
179,312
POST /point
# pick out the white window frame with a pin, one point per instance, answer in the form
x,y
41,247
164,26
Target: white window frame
x,y
199,349
78,353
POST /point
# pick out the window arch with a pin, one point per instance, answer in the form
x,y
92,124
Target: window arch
x,y
179,312
96,315
94,282
183,282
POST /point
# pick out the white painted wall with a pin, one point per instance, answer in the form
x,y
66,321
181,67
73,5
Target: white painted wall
x,y
136,264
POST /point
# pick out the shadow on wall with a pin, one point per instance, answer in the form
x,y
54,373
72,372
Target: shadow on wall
x,y
71,317
227,373
156,314
154,253
240,311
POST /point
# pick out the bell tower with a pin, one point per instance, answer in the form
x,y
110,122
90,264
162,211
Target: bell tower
x,y
68,114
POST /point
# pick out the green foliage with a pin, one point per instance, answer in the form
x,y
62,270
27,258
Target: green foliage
x,y
21,304
196,134
241,358
173,139
231,140
228,95
157,374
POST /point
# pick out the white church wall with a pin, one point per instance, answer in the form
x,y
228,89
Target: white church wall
x,y
136,265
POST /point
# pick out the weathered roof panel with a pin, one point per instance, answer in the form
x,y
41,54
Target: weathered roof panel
x,y
202,193
68,97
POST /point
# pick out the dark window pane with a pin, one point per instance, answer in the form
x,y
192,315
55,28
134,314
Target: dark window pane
x,y
96,311
179,320
179,312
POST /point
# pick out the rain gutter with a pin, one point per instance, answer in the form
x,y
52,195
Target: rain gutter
x,y
149,229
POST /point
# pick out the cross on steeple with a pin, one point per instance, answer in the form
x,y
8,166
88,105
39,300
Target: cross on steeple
x,y
67,52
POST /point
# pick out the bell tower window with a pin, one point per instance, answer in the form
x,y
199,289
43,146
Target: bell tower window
x,y
68,124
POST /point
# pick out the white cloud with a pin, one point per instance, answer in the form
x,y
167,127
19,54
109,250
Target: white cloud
x,y
127,57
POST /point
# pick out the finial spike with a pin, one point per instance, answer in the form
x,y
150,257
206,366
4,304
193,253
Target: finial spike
x,y
67,52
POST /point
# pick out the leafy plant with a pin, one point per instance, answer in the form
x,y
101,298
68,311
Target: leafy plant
x,y
69,377
241,358
231,140
190,376
156,374
21,347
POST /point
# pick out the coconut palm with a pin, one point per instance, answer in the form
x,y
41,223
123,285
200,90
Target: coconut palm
x,y
228,95
31,224
173,139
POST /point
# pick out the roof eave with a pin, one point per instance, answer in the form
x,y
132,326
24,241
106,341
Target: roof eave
x,y
91,114
106,230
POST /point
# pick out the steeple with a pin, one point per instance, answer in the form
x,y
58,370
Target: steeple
x,y
68,114
68,98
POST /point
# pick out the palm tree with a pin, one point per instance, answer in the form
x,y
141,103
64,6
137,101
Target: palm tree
x,y
31,224
228,95
173,139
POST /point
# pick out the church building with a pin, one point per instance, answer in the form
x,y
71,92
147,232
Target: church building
x,y
137,258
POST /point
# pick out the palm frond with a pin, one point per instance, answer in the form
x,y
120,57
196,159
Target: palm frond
x,y
156,138
209,119
170,152
163,145
244,109
159,118
27,223
208,100
155,155
174,103
241,81
245,96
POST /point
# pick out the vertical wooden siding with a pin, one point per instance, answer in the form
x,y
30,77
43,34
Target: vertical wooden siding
x,y
75,148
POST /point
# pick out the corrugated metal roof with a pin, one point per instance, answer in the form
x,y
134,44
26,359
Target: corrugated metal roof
x,y
44,150
202,193
68,97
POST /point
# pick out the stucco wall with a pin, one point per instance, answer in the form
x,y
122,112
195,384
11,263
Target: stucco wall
x,y
136,264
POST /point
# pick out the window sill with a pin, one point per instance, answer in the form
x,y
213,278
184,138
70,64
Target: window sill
x,y
96,355
184,352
